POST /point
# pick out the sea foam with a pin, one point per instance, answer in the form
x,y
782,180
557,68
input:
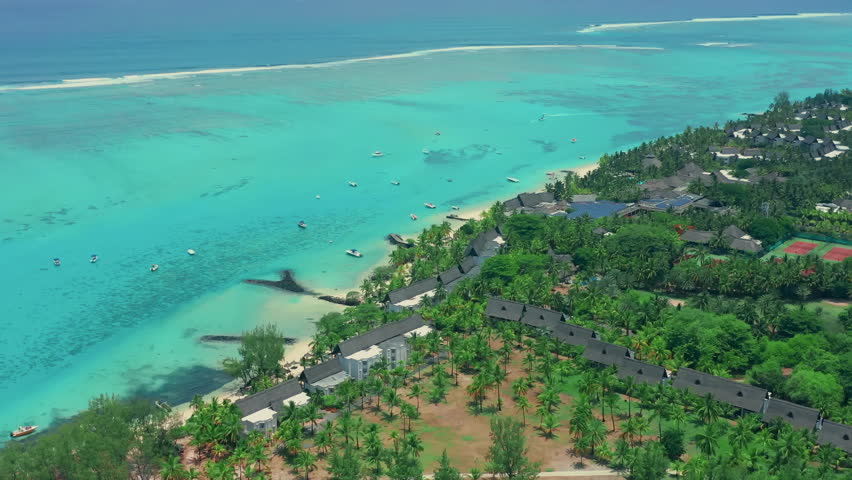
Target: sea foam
x,y
619,26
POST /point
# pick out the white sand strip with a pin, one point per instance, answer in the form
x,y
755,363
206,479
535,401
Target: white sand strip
x,y
618,26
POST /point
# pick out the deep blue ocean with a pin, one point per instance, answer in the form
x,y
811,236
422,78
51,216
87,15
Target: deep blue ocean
x,y
139,170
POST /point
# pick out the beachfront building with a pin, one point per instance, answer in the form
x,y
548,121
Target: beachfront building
x,y
325,377
359,354
734,393
260,411
605,353
796,415
835,434
409,298
485,245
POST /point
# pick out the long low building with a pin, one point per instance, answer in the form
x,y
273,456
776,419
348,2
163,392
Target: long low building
x,y
358,354
640,371
796,415
537,317
324,377
740,395
605,353
260,411
836,434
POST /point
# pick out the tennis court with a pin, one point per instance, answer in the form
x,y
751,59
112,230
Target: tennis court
x,y
832,252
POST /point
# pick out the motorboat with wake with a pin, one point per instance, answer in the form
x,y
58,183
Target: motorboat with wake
x,y
22,431
454,207
190,252
394,182
353,252
154,267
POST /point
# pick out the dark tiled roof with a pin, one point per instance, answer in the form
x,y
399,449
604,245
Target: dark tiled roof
x,y
411,291
571,334
483,245
540,317
745,245
533,199
450,275
512,204
467,264
836,434
722,389
504,309
600,231
640,371
796,415
604,353
271,397
690,170
379,335
697,236
730,150
316,373
733,231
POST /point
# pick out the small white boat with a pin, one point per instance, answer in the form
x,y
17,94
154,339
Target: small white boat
x,y
21,431
93,259
412,216
154,267
582,157
56,262
455,207
512,179
429,205
394,182
353,252
426,151
573,140
438,133
317,197
191,252
303,224
378,153
352,184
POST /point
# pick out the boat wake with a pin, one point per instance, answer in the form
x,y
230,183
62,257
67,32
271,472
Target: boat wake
x,y
619,26
130,79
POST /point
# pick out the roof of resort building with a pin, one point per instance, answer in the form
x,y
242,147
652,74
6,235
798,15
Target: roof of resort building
x,y
640,371
559,257
467,265
746,245
584,198
571,334
733,231
485,244
728,391
272,397
417,288
504,309
796,415
450,275
595,209
697,236
651,161
604,353
533,199
512,204
312,375
540,317
836,434
378,335
600,231
690,170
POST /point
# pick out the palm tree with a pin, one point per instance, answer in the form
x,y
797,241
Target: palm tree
x,y
629,387
707,440
172,469
413,442
306,461
623,455
416,392
595,434
522,404
707,409
548,424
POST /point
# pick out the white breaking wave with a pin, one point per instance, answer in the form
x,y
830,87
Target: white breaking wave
x,y
618,26
128,79
724,44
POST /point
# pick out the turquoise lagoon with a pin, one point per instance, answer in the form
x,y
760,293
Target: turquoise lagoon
x,y
228,163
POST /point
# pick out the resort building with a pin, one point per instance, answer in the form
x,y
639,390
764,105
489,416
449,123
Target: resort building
x,y
572,334
409,298
485,245
836,434
357,355
605,353
499,309
640,371
325,377
796,415
734,393
260,411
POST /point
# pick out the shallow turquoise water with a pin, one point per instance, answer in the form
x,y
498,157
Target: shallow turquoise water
x,y
228,164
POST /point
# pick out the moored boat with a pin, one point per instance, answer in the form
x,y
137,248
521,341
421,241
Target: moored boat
x,y
426,151
303,224
429,205
190,252
352,184
394,182
454,207
582,157
512,179
413,216
93,259
353,252
56,262
154,267
378,153
21,431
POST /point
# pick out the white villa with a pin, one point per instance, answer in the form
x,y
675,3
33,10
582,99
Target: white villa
x,y
260,411
358,354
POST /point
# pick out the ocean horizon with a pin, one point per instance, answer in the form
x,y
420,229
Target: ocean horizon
x,y
226,161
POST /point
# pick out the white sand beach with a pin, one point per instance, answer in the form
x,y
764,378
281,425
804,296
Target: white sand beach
x,y
129,79
618,26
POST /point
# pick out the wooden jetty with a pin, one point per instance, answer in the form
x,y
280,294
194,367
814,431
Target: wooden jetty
x,y
453,216
397,240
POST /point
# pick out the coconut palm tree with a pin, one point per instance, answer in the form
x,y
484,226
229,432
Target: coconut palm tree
x,y
306,461
172,469
548,424
707,409
416,392
522,404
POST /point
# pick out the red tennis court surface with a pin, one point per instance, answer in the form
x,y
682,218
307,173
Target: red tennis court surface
x,y
838,254
800,248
